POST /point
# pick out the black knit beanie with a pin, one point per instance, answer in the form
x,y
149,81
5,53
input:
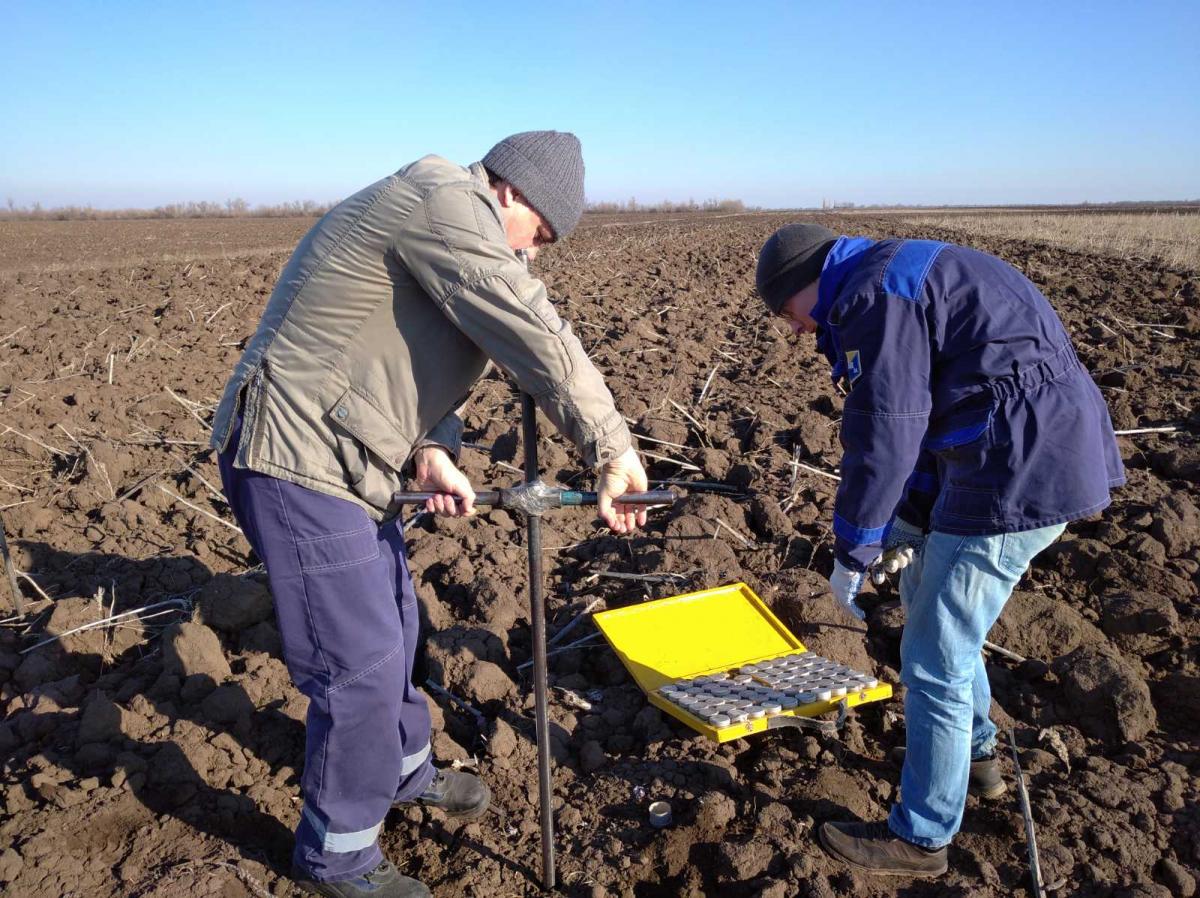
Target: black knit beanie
x,y
791,260
547,167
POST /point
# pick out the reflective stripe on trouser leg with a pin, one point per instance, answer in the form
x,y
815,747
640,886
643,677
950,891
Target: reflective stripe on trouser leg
x,y
340,843
347,639
414,762
363,838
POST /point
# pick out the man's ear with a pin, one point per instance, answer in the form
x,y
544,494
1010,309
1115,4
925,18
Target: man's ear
x,y
506,194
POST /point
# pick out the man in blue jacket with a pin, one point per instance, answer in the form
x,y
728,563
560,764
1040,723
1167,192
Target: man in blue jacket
x,y
971,435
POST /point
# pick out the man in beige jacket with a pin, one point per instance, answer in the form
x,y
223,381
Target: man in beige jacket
x,y
385,316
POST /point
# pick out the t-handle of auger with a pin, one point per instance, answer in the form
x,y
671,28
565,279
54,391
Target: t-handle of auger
x,y
551,497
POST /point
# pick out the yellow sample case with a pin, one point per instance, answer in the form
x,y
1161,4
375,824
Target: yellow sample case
x,y
710,632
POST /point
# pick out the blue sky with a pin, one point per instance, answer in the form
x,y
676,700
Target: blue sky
x,y
780,104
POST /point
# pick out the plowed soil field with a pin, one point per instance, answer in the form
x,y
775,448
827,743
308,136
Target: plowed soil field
x,y
158,755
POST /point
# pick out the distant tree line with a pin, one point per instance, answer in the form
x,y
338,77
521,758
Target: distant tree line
x,y
235,208
1114,206
632,205
239,208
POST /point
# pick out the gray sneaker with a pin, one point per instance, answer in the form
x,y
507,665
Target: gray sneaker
x,y
985,780
384,881
876,849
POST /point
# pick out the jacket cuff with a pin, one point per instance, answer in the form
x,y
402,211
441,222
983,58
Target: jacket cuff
x,y
447,434
855,557
610,444
915,508
901,527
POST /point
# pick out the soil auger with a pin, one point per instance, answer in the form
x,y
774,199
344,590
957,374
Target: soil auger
x,y
533,498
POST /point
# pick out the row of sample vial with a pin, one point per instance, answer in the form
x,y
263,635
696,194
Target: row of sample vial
x,y
765,689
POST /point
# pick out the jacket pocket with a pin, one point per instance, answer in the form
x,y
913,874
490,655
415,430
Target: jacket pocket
x,y
365,437
959,430
969,494
968,505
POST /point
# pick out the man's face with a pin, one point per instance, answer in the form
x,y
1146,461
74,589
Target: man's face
x,y
523,226
797,311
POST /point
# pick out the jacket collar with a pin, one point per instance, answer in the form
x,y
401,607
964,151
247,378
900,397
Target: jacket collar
x,y
478,171
844,258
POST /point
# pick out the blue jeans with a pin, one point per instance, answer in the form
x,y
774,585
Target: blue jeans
x,y
952,594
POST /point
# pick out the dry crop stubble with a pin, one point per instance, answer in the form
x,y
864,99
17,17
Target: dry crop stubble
x,y
1172,238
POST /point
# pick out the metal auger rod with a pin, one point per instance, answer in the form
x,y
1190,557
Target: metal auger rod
x,y
537,616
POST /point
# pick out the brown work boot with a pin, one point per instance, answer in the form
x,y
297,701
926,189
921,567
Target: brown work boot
x,y
984,782
873,847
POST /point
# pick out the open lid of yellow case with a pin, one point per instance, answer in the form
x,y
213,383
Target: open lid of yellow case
x,y
695,633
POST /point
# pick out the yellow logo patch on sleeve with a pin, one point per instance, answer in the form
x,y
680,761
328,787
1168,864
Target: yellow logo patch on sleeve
x,y
853,366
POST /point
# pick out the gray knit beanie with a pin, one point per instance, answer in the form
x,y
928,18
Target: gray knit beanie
x,y
547,167
790,260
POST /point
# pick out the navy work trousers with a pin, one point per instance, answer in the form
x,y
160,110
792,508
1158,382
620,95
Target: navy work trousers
x,y
347,616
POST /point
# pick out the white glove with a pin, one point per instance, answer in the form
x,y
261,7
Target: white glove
x,y
890,562
899,549
845,584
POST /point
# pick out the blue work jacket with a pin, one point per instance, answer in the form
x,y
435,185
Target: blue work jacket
x,y
966,409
